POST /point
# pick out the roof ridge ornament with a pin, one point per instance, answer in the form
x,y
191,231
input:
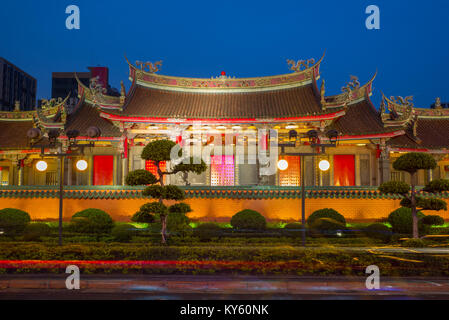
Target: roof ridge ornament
x,y
149,66
96,87
300,65
351,85
53,102
438,103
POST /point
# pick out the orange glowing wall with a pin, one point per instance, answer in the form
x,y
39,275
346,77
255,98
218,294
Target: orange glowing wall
x,y
212,209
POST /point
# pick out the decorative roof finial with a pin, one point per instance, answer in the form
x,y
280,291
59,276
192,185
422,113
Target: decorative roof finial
x,y
438,103
351,86
149,66
300,65
323,93
122,92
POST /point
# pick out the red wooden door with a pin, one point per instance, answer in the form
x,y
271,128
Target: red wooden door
x,y
103,170
344,170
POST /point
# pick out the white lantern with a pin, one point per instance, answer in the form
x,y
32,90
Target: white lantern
x,y
282,165
81,165
324,165
41,165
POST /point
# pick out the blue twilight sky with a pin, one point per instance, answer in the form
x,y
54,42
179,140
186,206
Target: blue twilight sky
x,y
244,38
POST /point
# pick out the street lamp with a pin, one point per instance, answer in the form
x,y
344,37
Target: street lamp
x,y
41,165
282,165
324,165
81,165
314,140
35,135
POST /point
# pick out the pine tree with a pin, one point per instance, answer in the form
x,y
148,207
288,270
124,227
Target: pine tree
x,y
159,152
412,163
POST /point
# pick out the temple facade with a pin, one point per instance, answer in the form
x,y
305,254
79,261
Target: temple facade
x,y
234,115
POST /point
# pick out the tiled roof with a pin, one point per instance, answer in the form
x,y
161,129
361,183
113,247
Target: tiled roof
x,y
87,116
13,134
237,192
361,118
433,134
281,103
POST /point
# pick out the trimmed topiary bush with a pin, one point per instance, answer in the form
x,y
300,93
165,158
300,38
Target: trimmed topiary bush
x,y
140,177
248,219
34,231
436,186
147,212
123,232
13,221
92,221
378,231
402,222
326,213
207,231
327,226
178,222
433,221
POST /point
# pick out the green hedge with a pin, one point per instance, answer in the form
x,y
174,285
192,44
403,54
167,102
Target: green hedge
x,y
328,214
402,222
248,219
277,260
94,221
13,221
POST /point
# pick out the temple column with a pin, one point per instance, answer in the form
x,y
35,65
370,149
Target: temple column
x,y
384,162
20,172
90,170
69,171
125,170
358,180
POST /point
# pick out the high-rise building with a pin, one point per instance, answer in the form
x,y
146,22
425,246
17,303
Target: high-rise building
x,y
17,88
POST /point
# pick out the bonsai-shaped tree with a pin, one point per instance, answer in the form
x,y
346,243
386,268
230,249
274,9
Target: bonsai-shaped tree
x,y
160,151
412,163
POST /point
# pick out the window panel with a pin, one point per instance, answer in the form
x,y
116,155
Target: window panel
x,y
222,171
292,176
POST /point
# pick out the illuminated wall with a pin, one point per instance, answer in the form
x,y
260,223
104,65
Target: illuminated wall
x,y
217,209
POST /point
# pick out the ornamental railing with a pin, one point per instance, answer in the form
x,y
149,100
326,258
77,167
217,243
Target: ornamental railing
x,y
206,192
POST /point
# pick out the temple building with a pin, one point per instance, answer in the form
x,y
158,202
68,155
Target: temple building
x,y
194,111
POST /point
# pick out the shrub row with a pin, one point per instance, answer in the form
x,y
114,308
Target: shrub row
x,y
327,222
285,260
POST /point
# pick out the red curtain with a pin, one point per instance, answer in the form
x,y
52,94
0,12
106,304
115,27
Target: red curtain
x,y
103,170
344,170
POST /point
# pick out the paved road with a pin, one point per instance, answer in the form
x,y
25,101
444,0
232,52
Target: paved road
x,y
218,287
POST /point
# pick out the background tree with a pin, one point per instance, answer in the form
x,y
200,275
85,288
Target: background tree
x,y
412,163
158,152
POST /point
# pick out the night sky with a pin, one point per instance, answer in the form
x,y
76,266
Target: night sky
x,y
243,38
